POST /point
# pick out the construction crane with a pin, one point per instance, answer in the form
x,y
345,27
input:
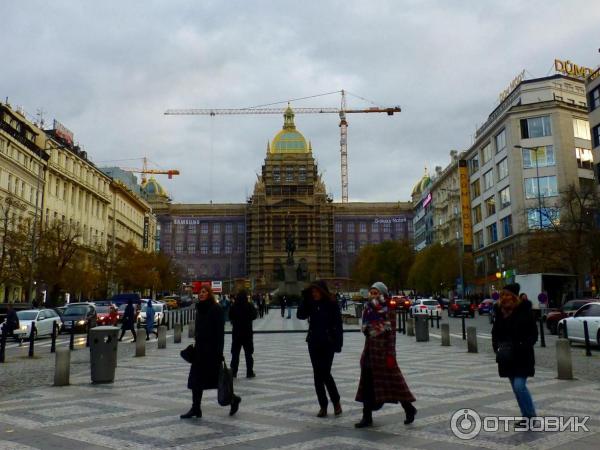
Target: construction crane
x,y
342,111
145,170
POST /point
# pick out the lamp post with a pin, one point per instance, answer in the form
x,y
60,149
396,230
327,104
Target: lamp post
x,y
537,175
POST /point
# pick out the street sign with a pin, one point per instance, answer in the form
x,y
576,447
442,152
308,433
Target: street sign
x,y
217,287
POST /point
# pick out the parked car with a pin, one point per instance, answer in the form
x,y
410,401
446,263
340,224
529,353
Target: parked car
x,y
460,308
566,310
159,314
44,321
402,302
425,305
80,316
589,313
485,307
107,314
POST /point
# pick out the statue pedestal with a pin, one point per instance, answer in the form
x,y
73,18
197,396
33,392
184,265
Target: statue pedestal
x,y
290,287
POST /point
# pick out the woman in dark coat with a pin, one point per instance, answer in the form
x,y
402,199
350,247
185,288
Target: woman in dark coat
x,y
513,336
381,380
208,352
325,338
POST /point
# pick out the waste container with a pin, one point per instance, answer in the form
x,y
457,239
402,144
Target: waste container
x,y
421,327
103,353
358,309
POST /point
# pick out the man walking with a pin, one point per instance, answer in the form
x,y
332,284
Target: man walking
x,y
242,314
12,321
128,321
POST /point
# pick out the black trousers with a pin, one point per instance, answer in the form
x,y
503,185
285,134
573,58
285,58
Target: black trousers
x,y
321,360
236,347
126,327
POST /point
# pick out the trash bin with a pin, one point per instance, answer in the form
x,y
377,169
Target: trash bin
x,y
421,327
358,309
103,353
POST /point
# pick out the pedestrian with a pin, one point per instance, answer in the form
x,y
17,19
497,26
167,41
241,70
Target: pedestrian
x,y
325,338
128,323
242,314
289,309
514,334
11,322
283,302
381,380
209,336
150,320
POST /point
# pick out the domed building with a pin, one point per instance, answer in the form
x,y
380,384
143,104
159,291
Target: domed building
x,y
153,191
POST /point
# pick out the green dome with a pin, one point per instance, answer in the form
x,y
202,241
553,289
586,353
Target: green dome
x,y
289,140
153,188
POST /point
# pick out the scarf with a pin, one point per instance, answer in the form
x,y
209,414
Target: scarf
x,y
375,319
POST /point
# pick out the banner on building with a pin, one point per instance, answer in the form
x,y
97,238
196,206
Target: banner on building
x,y
146,231
465,206
63,132
197,285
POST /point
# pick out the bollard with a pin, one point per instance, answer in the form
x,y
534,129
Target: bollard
x,y
62,367
87,335
404,314
410,327
431,317
586,335
445,335
564,364
472,340
140,343
53,337
437,319
192,329
463,328
32,334
72,337
421,328
177,333
2,345
168,319
542,336
162,336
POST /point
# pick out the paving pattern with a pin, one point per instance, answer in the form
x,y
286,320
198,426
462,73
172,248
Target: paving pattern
x,y
141,409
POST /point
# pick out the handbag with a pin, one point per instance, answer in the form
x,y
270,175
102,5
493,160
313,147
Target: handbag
x,y
188,353
225,387
505,353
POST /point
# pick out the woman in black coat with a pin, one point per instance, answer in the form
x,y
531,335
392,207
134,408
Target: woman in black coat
x,y
513,336
208,352
325,338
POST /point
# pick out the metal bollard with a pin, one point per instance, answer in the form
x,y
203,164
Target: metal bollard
x,y
464,334
177,333
437,319
140,343
62,367
192,329
2,345
410,327
162,336
445,335
87,335
542,336
404,314
32,334
472,340
564,363
431,318
72,337
53,337
586,335
168,319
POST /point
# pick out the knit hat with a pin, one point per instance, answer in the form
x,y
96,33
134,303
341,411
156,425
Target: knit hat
x,y
382,288
321,286
513,288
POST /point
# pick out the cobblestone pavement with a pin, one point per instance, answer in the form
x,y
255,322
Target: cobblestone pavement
x,y
141,409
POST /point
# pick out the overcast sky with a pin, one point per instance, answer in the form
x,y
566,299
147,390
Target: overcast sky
x,y
108,70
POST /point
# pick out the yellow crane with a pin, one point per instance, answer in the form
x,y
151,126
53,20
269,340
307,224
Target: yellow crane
x,y
145,170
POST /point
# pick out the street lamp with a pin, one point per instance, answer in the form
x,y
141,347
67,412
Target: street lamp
x,y
537,175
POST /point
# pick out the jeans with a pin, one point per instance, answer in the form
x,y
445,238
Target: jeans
x,y
519,387
322,360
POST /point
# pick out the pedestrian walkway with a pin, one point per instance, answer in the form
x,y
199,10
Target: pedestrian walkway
x,y
141,409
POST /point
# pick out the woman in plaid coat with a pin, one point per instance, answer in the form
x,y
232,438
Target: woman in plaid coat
x,y
381,380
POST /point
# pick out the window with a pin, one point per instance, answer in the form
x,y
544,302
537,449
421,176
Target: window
x,y
339,247
168,227
500,141
338,227
240,228
549,216
596,135
478,239
504,197
386,227
289,174
474,164
191,248
228,247
486,153
179,247
585,159
594,99
191,229
581,128
548,187
543,155
492,233
240,247
204,228
216,247
502,169
216,227
375,227
362,227
536,127
276,175
302,174
477,214
204,248
350,228
488,180
351,247
506,224
475,189
490,206
228,228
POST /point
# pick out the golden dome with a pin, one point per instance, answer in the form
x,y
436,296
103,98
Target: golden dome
x,y
289,140
422,184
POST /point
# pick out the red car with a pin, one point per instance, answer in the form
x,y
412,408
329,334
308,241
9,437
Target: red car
x,y
402,302
107,315
566,310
